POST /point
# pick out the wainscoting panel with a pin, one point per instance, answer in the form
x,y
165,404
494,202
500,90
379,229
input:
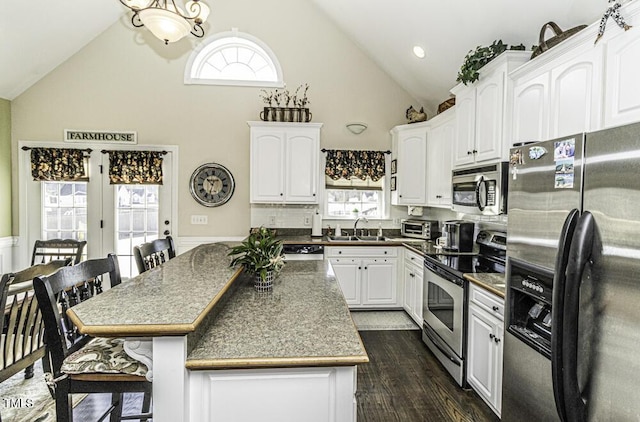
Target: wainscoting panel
x,y
6,254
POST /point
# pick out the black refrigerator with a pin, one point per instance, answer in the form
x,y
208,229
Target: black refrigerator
x,y
572,341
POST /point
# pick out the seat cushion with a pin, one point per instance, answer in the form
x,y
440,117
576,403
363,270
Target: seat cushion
x,y
103,355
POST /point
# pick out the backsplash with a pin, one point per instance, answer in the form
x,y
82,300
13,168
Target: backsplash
x,y
300,216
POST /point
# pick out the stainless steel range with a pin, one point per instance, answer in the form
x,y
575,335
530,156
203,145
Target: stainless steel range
x,y
445,298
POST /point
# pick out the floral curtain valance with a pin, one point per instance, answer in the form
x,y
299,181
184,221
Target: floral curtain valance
x,y
345,164
59,164
135,167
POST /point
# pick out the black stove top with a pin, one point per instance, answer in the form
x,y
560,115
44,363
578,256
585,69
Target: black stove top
x,y
465,263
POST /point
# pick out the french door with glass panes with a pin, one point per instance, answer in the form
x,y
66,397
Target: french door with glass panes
x,y
111,218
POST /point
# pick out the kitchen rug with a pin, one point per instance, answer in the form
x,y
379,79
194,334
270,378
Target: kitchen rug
x,y
383,320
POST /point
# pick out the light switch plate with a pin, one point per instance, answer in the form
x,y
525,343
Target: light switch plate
x,y
199,219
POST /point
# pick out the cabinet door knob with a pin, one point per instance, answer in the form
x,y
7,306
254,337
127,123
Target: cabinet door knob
x,y
365,268
281,194
468,152
495,308
475,151
359,268
314,194
339,252
496,339
491,336
385,252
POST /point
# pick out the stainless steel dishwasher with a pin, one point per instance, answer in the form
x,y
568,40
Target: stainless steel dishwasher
x,y
303,252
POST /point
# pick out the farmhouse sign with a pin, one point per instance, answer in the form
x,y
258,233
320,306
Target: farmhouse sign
x,y
115,137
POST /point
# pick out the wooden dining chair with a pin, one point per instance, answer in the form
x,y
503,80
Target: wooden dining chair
x,y
80,363
154,253
22,327
55,249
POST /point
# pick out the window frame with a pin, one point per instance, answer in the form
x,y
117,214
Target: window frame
x,y
193,59
386,196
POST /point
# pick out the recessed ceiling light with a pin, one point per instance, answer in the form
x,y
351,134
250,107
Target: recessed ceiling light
x,y
418,51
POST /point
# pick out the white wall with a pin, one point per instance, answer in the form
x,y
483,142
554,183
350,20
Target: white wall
x,y
127,80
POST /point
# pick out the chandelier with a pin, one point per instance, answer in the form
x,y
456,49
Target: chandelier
x,y
166,20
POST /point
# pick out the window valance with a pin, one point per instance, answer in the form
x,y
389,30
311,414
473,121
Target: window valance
x,y
346,164
135,167
59,164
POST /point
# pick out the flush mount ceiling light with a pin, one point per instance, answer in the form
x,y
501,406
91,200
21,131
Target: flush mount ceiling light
x,y
356,128
166,20
418,51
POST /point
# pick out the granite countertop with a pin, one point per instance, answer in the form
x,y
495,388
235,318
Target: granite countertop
x,y
171,299
304,321
495,283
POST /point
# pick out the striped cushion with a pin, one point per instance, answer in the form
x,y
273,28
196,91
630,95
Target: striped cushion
x,y
103,355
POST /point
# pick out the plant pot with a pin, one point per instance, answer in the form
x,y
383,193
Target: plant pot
x,y
265,285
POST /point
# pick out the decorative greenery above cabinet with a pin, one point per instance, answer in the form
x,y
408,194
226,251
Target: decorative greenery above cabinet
x,y
285,164
483,111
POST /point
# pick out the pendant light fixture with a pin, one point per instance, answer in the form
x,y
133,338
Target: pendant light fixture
x,y
166,20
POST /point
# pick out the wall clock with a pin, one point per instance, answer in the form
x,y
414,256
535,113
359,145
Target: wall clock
x,y
212,185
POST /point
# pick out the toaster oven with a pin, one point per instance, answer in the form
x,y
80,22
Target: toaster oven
x,y
420,229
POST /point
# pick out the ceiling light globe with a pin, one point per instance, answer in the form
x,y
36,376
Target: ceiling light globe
x,y
165,24
138,4
419,52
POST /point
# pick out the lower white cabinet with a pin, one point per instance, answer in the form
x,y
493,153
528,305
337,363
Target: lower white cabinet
x,y
413,286
367,275
485,346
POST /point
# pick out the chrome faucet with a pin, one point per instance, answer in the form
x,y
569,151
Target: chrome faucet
x,y
355,225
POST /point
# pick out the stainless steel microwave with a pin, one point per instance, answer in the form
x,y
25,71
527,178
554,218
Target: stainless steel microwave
x,y
481,190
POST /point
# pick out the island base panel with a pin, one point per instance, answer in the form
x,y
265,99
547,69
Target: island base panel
x,y
323,394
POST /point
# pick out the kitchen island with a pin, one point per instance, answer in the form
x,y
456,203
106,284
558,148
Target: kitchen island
x,y
221,351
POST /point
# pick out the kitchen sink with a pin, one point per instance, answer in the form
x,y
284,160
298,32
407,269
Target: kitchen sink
x,y
357,238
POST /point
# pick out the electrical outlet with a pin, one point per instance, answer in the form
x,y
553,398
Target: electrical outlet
x,y
199,219
272,220
307,219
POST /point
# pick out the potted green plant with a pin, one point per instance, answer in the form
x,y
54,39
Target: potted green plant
x,y
261,255
475,60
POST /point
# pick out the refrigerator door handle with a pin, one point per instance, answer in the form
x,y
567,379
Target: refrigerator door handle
x,y
579,255
557,307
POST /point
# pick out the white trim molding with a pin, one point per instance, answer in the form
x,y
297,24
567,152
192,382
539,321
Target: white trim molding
x,y
6,253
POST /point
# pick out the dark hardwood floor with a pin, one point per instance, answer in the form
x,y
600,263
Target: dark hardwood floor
x,y
404,382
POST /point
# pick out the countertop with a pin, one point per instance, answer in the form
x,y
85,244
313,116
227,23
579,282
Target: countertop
x,y
171,299
495,283
304,321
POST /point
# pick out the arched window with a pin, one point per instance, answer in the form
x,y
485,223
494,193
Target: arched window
x,y
233,58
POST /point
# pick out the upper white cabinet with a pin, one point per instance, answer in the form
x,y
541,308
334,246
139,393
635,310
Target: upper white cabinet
x,y
558,95
622,84
440,139
409,148
285,164
482,110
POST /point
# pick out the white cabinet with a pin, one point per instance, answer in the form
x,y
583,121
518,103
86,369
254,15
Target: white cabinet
x,y
440,139
561,96
482,111
413,286
285,162
409,148
485,345
367,275
622,85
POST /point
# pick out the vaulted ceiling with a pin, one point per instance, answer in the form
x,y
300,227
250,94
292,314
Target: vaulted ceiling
x,y
38,35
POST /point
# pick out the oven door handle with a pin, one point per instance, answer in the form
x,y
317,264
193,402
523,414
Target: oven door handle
x,y
438,343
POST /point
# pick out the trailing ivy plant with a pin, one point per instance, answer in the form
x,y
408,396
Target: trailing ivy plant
x,y
474,60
